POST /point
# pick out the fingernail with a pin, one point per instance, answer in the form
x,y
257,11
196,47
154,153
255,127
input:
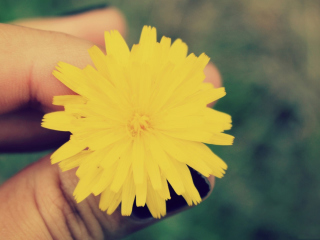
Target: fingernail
x,y
141,213
85,9
201,183
176,202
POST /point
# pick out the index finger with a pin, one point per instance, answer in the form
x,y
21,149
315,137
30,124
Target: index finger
x,y
27,60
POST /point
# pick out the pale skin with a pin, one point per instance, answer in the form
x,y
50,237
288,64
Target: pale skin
x,y
37,203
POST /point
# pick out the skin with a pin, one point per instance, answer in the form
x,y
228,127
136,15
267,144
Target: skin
x,y
37,203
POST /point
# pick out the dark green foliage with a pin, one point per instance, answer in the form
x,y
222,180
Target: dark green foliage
x,y
268,55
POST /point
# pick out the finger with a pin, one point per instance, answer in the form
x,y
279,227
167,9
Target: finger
x,y
38,201
26,64
88,25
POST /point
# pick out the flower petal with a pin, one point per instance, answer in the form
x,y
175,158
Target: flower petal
x,y
138,160
69,149
116,46
141,193
156,204
128,195
166,166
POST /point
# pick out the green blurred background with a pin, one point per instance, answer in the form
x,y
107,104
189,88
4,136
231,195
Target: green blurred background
x,y
268,53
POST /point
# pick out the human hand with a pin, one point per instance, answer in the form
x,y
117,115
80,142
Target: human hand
x,y
37,203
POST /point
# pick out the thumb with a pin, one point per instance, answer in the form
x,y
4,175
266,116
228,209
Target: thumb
x,y
38,201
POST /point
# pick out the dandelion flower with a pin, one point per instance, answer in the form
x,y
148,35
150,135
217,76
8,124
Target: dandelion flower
x,y
140,119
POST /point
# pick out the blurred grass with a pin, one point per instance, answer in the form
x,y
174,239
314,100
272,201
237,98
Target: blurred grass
x,y
269,55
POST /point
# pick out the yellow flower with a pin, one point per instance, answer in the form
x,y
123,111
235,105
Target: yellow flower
x,y
140,119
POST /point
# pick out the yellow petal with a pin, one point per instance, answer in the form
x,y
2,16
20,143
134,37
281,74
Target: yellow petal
x,y
220,139
138,159
110,200
105,180
74,161
68,99
60,121
165,44
116,46
172,82
207,96
141,193
115,203
122,171
216,164
164,192
85,184
69,149
178,51
181,123
128,195
101,139
153,171
90,163
191,194
67,74
219,119
156,205
166,166
188,134
110,92
99,61
114,152
182,151
147,42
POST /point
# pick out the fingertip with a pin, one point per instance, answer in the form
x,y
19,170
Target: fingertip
x,y
119,20
206,187
95,23
89,25
212,181
212,75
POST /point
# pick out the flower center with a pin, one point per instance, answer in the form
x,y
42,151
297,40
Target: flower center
x,y
138,123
